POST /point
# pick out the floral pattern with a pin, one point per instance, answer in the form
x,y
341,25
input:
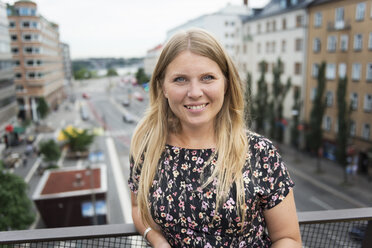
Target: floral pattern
x,y
186,212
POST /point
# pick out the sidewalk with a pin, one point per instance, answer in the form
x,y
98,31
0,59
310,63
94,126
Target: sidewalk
x,y
358,190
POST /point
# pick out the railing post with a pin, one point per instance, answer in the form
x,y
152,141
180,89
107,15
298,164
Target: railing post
x,y
367,241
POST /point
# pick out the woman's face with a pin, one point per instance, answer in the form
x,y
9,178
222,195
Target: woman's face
x,y
195,87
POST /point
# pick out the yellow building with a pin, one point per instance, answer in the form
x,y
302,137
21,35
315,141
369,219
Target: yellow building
x,y
340,33
38,64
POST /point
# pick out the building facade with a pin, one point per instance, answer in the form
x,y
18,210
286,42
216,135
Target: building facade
x,y
151,59
37,57
67,66
340,34
8,103
278,31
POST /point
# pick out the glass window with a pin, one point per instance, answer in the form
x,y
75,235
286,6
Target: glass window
x,y
332,43
331,71
354,101
318,19
25,24
274,25
283,4
299,21
258,47
299,45
339,18
273,46
358,42
329,98
12,24
258,28
342,70
367,106
13,37
316,45
284,44
18,75
356,71
370,41
294,2
298,68
366,131
369,72
15,50
327,123
315,70
313,94
344,42
360,10
284,24
352,128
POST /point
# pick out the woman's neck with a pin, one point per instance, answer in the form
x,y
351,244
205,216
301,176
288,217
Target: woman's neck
x,y
193,138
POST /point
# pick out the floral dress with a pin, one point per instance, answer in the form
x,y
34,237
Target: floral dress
x,y
186,212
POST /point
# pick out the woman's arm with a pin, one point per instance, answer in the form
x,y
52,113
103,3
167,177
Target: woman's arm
x,y
155,237
282,224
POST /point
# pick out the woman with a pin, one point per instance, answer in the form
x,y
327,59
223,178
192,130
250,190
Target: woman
x,y
198,177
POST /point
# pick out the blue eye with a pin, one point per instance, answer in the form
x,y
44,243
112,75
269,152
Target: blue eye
x,y
179,79
208,77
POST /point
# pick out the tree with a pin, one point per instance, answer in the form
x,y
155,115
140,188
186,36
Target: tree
x,y
111,72
16,209
248,104
343,124
82,73
50,150
279,92
141,76
314,137
78,140
260,100
295,133
42,107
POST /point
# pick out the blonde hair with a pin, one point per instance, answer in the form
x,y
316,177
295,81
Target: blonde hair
x,y
149,138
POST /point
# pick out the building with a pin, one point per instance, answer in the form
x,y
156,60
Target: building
x,y
37,58
65,197
278,31
8,103
340,34
151,59
67,66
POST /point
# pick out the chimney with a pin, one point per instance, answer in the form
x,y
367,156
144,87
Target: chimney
x,y
245,3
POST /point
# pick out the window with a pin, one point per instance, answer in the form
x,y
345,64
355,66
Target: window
x,y
313,94
274,25
19,88
342,70
258,28
370,41
318,19
298,68
354,101
366,131
329,98
299,45
18,75
267,47
283,4
358,42
316,45
327,123
332,43
315,70
13,37
344,42
369,72
25,24
360,10
352,128
294,2
16,63
339,18
284,24
299,21
367,106
331,71
258,48
356,72
12,24
15,50
284,44
267,26
273,46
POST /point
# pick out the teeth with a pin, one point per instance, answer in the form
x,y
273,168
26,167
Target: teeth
x,y
196,107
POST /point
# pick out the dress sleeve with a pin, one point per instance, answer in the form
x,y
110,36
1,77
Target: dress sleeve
x,y
275,180
134,176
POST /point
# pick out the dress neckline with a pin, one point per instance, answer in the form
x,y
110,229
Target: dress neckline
x,y
189,149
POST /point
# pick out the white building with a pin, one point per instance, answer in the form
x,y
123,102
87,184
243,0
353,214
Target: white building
x,y
278,31
151,58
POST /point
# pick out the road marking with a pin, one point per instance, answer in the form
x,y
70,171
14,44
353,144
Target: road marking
x,y
321,203
327,188
33,169
121,187
123,110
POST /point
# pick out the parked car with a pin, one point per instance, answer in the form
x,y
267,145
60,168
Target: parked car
x,y
126,103
138,96
128,118
85,96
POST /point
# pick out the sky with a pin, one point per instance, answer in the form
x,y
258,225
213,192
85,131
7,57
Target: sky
x,y
123,28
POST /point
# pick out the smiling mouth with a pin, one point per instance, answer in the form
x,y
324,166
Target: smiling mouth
x,y
196,106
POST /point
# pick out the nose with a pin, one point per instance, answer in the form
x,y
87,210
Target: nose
x,y
195,89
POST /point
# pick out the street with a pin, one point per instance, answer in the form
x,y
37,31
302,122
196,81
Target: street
x,y
106,111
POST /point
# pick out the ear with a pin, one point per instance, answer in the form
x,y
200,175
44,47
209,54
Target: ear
x,y
165,92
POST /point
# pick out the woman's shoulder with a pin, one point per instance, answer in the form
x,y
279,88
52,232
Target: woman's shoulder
x,y
258,141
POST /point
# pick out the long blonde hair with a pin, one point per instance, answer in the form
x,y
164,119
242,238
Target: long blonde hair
x,y
149,138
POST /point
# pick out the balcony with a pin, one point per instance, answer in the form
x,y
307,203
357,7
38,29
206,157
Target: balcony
x,y
338,26
333,228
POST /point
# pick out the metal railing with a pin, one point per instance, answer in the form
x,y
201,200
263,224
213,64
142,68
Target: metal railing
x,y
333,228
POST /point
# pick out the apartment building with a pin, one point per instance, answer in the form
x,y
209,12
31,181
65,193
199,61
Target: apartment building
x,y
340,34
67,66
37,57
278,31
151,59
8,103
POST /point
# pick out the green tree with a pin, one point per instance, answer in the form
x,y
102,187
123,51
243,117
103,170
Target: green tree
x,y
79,140
343,124
314,137
260,100
16,208
50,150
42,107
248,104
141,76
82,73
111,72
296,110
279,92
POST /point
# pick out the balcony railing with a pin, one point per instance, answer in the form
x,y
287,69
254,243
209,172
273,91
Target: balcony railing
x,y
333,228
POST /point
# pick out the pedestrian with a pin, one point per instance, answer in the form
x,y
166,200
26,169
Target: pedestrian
x,y
198,177
24,161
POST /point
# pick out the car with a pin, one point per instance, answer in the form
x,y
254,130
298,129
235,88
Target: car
x,y
126,103
128,118
85,96
138,96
